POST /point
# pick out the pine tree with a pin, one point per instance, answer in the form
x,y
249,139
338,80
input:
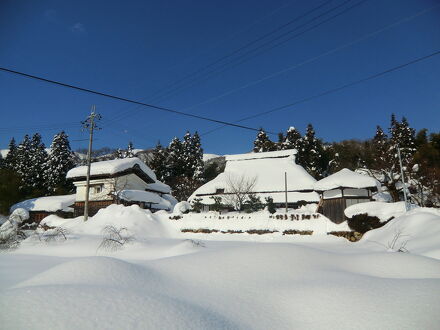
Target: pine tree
x,y
119,154
39,159
197,152
175,162
130,152
310,153
292,140
403,136
23,162
262,143
381,147
187,155
60,161
158,162
10,161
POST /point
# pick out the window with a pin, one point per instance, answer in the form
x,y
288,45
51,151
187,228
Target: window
x,y
97,189
219,190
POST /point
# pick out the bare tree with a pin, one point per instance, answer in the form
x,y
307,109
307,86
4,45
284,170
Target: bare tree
x,y
238,190
114,238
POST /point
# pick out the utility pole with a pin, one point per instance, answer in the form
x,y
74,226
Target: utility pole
x,y
403,178
89,124
285,188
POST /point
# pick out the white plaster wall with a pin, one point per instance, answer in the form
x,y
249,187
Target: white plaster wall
x,y
129,181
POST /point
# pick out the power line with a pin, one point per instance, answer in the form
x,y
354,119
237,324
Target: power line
x,y
165,90
119,98
333,90
226,66
314,58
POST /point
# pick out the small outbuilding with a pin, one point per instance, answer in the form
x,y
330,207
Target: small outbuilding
x,y
124,181
341,190
41,207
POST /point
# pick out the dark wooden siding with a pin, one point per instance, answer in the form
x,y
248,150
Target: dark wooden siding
x,y
333,209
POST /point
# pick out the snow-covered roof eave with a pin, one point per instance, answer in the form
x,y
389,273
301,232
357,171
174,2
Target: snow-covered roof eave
x,y
112,168
346,179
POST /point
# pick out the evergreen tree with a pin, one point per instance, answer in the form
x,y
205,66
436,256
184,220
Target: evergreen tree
x,y
197,154
262,143
381,148
310,153
403,136
158,162
60,161
39,159
119,154
187,155
130,152
23,162
292,140
10,161
175,160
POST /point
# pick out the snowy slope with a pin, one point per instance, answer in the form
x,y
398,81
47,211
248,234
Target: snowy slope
x,y
161,281
384,211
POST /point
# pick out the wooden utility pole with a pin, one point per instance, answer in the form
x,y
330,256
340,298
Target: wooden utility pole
x,y
89,124
285,188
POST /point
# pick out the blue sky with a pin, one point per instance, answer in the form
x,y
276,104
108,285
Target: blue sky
x,y
136,49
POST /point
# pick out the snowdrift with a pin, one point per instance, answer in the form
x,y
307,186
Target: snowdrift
x,y
230,286
418,231
139,222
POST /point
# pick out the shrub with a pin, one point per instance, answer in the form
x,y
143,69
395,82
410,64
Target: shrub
x,y
363,223
270,205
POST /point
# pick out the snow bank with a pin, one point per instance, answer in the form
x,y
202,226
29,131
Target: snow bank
x,y
384,211
418,231
347,179
111,167
227,286
48,204
139,222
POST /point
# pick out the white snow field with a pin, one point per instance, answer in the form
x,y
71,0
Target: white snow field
x,y
164,280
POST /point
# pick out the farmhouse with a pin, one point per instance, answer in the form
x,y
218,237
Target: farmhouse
x,y
268,170
41,207
126,181
341,190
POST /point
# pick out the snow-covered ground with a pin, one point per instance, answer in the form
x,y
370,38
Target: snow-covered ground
x,y
166,279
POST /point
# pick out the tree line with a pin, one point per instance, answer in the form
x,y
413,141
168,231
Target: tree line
x,y
29,170
377,157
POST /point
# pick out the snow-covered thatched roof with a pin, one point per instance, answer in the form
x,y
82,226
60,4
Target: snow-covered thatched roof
x,y
345,179
267,168
112,167
47,204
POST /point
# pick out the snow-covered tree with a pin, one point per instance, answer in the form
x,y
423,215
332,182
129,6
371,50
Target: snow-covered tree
x,y
197,152
292,139
176,162
10,161
23,162
262,143
39,159
130,151
310,153
158,162
60,161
